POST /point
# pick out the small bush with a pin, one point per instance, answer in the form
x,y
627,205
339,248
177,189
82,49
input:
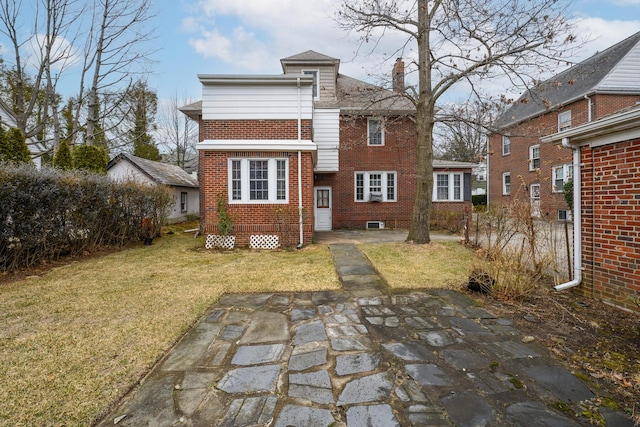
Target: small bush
x,y
452,221
92,158
479,200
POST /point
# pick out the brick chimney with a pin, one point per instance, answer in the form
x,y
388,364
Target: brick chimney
x,y
398,76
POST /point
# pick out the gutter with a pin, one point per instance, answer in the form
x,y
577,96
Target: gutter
x,y
300,221
577,219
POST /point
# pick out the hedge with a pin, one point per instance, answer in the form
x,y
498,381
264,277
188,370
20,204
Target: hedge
x,y
50,212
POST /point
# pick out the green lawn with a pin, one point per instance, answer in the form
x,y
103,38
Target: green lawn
x,y
76,339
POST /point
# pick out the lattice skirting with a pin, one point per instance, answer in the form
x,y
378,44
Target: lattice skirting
x,y
218,241
264,242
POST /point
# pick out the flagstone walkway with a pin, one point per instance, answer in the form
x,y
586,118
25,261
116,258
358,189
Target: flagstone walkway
x,y
358,357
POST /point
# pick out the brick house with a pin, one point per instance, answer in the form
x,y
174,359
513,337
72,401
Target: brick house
x,y
606,152
520,166
312,150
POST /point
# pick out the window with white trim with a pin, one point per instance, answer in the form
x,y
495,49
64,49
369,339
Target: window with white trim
x,y
375,132
534,157
448,187
258,180
561,175
506,183
564,120
564,215
316,75
506,145
382,186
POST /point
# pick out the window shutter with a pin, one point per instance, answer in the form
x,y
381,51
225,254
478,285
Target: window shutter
x,y
467,186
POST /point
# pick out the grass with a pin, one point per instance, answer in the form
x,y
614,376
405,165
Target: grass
x,y
406,266
76,339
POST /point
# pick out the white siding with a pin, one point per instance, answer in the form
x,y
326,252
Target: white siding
x,y
255,102
326,81
125,171
625,74
193,204
326,135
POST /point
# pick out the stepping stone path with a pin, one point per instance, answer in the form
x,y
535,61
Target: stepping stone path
x,y
357,357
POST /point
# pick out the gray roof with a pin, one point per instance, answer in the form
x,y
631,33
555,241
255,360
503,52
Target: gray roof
x,y
614,71
358,96
442,164
309,57
160,173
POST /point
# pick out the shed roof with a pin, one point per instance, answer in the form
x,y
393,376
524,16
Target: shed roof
x,y
160,173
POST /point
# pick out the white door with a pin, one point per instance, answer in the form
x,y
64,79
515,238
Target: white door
x,y
535,200
322,208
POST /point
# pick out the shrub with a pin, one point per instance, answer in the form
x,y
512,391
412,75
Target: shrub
x,y
63,158
452,221
479,200
225,222
92,158
49,213
13,147
568,193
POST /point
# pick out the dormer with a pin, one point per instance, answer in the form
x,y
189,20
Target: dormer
x,y
323,68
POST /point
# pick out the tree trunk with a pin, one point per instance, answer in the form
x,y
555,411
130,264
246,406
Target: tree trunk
x,y
419,229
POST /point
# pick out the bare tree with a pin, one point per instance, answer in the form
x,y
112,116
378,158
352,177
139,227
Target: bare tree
x,y
177,133
34,54
461,134
114,50
459,42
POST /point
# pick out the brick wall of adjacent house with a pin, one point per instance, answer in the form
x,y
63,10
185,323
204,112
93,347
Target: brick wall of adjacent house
x,y
527,134
397,155
259,219
611,223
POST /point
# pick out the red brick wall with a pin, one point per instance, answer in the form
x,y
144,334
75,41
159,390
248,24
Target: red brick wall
x,y
526,134
397,155
260,219
611,223
254,129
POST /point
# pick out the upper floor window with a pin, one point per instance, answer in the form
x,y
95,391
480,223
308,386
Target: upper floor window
x,y
448,187
506,183
534,157
561,175
315,74
564,120
376,186
506,145
375,132
258,180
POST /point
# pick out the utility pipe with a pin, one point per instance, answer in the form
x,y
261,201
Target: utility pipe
x,y
588,108
577,219
300,221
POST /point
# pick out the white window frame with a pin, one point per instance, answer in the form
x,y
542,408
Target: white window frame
x,y
380,127
567,215
184,200
532,159
506,145
272,180
567,175
316,82
451,187
366,184
564,120
506,189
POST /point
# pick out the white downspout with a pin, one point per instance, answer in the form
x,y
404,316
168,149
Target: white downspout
x,y
588,108
300,221
577,219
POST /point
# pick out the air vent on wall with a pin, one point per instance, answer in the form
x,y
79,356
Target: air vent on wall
x,y
375,225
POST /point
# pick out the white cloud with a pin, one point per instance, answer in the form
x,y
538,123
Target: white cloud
x,y
603,34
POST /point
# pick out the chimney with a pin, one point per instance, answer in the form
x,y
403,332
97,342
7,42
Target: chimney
x,y
398,76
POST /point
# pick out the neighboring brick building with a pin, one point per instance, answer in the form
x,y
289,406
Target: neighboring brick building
x,y
339,150
607,246
522,167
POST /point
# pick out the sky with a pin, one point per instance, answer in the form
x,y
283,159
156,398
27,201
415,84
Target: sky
x,y
251,36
